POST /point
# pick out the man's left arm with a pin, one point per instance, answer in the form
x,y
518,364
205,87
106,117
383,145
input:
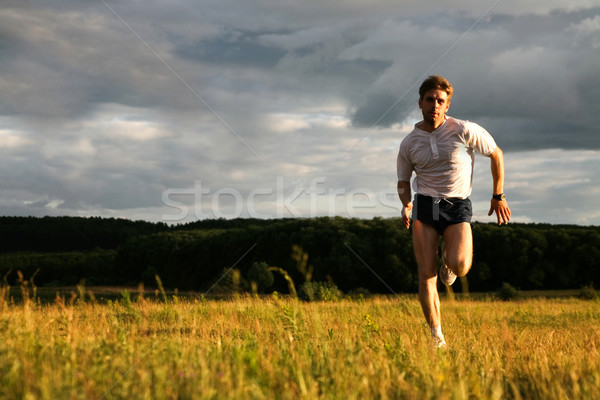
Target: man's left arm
x,y
499,206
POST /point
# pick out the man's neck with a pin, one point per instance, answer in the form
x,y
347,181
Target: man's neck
x,y
430,126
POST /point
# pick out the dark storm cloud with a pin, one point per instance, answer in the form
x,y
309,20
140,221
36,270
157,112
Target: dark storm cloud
x,y
529,134
60,68
535,83
232,48
386,108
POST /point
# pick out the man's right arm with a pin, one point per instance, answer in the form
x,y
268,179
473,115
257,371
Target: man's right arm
x,y
405,195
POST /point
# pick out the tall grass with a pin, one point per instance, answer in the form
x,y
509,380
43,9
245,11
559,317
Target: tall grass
x,y
281,348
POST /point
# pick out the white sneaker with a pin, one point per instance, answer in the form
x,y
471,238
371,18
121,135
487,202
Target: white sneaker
x,y
437,337
439,342
446,275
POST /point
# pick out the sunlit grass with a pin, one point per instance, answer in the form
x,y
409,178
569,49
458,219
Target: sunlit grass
x,y
273,347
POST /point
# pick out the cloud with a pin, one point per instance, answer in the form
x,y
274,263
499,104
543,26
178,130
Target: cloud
x,y
382,110
519,72
98,117
557,183
236,48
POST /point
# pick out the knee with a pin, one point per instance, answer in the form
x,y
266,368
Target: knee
x,y
427,271
461,266
427,280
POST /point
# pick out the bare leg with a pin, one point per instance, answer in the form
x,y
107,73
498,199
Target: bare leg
x,y
425,242
459,248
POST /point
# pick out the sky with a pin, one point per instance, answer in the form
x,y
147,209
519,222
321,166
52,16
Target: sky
x,y
184,110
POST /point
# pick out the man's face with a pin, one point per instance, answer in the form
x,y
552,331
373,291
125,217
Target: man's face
x,y
434,105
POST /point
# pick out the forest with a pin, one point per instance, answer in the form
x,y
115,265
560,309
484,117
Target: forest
x,y
372,255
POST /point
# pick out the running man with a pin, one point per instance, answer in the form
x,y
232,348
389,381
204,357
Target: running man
x,y
440,150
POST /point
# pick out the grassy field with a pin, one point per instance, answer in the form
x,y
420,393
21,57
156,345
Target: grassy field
x,y
279,348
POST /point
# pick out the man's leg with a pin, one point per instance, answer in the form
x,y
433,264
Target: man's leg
x,y
425,243
459,248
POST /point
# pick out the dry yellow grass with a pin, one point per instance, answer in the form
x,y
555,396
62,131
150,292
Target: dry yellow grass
x,y
251,348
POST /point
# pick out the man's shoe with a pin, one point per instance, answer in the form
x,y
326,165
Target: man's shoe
x,y
439,342
446,275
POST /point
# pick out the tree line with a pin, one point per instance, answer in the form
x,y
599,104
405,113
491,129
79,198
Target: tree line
x,y
353,254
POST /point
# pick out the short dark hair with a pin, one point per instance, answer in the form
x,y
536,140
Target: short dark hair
x,y
436,82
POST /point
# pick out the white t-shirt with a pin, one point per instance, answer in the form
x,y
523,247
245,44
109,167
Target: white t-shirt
x,y
443,159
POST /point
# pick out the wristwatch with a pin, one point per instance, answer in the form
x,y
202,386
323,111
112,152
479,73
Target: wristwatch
x,y
499,197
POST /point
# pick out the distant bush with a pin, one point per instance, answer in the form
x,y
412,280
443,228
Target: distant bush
x,y
260,274
359,293
320,291
508,292
588,292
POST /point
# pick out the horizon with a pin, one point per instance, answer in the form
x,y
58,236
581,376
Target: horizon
x,y
274,219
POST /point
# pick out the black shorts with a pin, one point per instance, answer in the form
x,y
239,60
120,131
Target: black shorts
x,y
440,212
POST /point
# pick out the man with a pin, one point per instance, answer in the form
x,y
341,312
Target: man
x,y
440,150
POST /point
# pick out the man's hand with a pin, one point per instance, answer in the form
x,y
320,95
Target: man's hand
x,y
406,214
501,209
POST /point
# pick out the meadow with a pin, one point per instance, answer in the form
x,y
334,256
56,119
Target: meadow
x,y
274,347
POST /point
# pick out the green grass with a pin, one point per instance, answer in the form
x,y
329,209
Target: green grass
x,y
280,348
